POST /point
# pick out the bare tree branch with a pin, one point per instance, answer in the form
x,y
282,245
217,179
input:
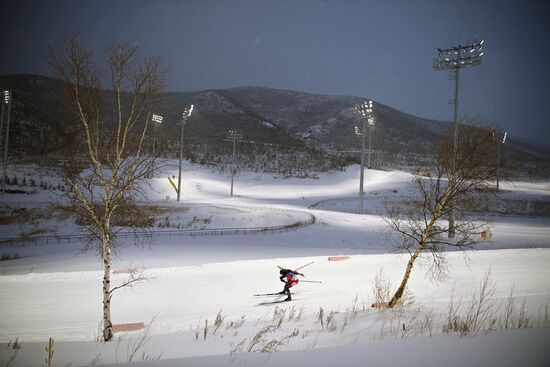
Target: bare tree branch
x,y
459,185
134,277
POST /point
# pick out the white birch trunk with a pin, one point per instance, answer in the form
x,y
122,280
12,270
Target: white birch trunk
x,y
107,325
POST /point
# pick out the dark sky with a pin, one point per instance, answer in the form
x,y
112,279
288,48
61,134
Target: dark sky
x,y
378,49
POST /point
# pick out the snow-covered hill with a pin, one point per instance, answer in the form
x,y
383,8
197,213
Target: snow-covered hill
x,y
274,123
53,290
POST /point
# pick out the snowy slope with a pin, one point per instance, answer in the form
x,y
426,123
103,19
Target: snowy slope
x,y
55,291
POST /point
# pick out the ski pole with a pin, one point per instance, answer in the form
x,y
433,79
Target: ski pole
x,y
311,281
301,267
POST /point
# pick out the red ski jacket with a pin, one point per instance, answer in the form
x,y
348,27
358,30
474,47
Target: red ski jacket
x,y
292,279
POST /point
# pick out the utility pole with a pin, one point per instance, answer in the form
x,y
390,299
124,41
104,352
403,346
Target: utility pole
x,y
184,117
453,59
233,135
5,100
365,110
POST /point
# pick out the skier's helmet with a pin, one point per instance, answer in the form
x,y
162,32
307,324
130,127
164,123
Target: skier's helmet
x,y
282,271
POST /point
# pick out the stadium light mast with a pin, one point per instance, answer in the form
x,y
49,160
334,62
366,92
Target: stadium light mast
x,y
184,117
454,59
499,143
365,110
6,100
157,120
370,120
233,136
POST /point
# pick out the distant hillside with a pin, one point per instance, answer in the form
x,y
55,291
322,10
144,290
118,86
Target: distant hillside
x,y
37,113
285,127
330,119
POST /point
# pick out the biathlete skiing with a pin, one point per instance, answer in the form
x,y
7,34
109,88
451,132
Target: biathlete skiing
x,y
290,278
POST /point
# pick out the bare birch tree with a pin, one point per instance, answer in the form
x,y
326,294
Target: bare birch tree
x,y
107,166
457,185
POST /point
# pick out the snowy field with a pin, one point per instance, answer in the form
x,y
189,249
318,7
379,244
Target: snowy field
x,y
53,290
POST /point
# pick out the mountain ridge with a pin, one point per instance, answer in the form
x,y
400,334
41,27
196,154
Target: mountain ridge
x,y
263,115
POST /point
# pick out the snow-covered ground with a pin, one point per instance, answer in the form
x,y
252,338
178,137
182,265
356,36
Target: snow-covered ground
x,y
53,290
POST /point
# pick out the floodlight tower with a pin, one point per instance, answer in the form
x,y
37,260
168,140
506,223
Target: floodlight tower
x,y
233,136
370,120
499,143
184,117
2,102
6,100
365,110
156,120
453,59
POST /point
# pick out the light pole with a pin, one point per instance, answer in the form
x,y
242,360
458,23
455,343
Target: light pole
x,y
184,117
499,143
361,134
365,110
371,124
233,135
2,102
453,59
156,120
5,100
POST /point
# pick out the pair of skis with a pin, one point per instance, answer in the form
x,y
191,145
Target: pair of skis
x,y
271,302
269,294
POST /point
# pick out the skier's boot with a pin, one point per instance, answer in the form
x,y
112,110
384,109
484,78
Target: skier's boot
x,y
288,298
